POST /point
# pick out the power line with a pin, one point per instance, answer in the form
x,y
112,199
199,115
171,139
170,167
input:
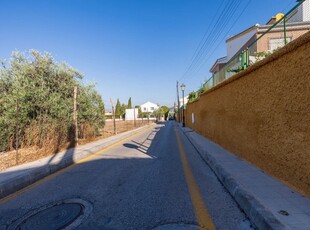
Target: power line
x,y
220,41
205,34
201,46
288,6
218,29
212,40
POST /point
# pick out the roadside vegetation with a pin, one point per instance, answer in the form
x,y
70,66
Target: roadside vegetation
x,y
36,104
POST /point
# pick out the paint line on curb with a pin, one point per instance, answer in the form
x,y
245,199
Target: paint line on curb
x,y
259,215
201,212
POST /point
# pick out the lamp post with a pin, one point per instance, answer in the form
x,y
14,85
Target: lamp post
x,y
183,88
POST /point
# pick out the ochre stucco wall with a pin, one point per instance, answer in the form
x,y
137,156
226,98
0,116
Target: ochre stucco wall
x,y
263,114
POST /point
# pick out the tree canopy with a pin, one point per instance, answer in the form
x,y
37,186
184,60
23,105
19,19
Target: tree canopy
x,y
36,101
129,105
118,108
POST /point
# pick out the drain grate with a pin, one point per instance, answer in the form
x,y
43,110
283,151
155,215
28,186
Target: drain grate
x,y
66,214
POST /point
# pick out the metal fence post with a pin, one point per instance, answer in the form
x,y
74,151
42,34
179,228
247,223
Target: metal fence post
x,y
284,24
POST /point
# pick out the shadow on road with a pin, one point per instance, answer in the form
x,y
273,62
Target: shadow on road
x,y
33,171
146,143
120,171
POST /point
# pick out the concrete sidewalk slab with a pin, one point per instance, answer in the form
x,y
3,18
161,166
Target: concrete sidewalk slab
x,y
18,177
268,203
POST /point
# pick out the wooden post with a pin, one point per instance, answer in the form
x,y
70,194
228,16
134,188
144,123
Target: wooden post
x,y
75,122
17,132
148,115
113,115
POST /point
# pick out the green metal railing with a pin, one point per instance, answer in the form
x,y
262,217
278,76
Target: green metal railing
x,y
249,54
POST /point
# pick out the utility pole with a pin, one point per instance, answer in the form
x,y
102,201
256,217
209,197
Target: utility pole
x,y
75,122
113,115
178,101
174,109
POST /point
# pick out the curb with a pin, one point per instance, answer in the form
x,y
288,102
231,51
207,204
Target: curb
x,y
23,180
260,216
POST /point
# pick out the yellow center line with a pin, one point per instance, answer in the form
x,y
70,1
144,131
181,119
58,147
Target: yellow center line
x,y
49,177
201,212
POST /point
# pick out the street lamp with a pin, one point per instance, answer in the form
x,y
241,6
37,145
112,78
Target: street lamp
x,y
183,88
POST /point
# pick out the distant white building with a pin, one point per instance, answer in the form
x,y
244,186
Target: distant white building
x,y
302,13
149,107
131,114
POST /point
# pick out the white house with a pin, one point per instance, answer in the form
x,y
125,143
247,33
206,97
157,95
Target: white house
x,y
149,107
298,23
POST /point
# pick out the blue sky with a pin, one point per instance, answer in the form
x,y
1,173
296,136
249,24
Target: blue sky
x,y
133,48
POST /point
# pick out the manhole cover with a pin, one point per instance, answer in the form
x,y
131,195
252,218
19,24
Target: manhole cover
x,y
56,217
66,214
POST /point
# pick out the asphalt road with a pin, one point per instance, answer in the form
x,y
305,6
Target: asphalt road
x,y
153,180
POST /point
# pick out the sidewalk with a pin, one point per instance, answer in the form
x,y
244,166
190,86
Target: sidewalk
x,y
18,177
267,202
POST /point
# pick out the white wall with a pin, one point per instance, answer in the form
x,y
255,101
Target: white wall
x,y
306,10
131,114
235,45
185,100
302,14
297,16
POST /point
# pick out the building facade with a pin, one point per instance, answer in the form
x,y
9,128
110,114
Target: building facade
x,y
149,107
298,23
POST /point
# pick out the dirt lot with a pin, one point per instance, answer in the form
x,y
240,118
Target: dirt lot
x,y
10,159
121,126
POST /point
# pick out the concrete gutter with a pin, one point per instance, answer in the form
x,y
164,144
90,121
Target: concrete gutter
x,y
268,203
18,177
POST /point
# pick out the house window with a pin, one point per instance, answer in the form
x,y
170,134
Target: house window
x,y
144,109
152,108
275,43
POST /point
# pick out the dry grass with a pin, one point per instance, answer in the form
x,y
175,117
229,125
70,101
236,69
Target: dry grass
x,y
54,143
